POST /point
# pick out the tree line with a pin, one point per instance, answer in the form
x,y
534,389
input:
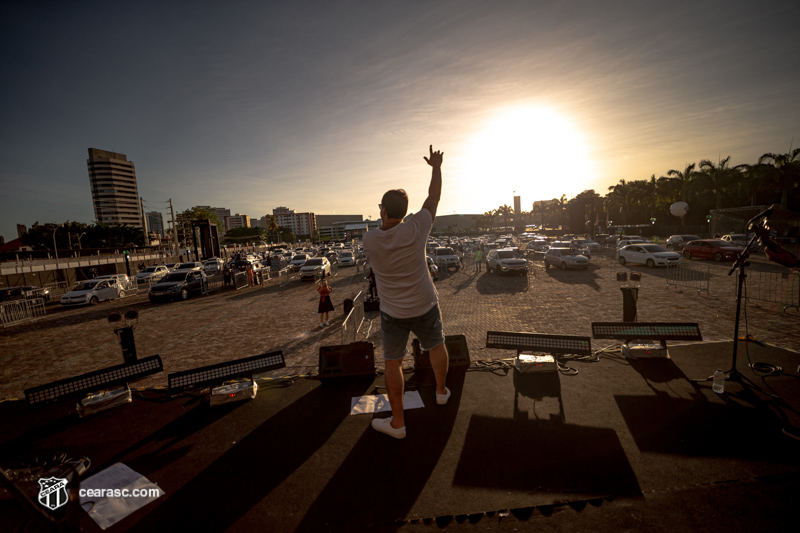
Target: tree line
x,y
774,179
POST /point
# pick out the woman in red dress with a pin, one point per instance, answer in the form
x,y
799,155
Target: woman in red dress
x,y
325,304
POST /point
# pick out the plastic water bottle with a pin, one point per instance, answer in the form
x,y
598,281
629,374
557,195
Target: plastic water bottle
x,y
718,384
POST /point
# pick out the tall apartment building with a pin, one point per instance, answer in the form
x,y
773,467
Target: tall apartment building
x,y
236,221
115,194
221,212
299,223
155,223
333,226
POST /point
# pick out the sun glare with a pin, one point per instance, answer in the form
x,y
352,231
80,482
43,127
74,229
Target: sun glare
x,y
532,152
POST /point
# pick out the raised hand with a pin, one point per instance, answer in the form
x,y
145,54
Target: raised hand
x,y
435,159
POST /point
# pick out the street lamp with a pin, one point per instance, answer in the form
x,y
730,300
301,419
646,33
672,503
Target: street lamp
x,y
54,240
79,240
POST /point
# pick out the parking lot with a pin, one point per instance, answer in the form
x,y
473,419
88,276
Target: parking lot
x,y
228,324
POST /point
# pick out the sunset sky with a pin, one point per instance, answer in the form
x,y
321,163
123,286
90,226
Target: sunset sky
x,y
324,105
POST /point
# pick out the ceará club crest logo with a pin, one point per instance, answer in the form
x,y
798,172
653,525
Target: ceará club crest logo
x,y
53,492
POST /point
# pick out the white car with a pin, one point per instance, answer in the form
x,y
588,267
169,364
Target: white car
x,y
564,258
123,280
346,259
92,292
446,258
651,255
151,274
625,241
506,261
316,266
298,261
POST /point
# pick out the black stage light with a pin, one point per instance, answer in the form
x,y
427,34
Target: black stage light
x,y
633,333
220,373
534,350
94,381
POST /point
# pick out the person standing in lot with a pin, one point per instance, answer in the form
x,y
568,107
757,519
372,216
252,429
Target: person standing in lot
x,y
478,259
325,305
409,301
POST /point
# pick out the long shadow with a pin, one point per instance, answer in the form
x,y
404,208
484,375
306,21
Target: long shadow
x,y
487,283
381,478
546,455
587,277
251,469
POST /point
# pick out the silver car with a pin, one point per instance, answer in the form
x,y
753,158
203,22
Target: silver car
x,y
506,261
565,258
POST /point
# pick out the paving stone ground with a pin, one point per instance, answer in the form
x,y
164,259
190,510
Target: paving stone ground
x,y
230,324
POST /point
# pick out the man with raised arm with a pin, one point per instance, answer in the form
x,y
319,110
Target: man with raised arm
x,y
409,301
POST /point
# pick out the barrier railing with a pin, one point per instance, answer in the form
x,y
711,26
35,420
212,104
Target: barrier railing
x,y
57,290
693,277
214,282
773,287
131,288
352,323
240,280
21,311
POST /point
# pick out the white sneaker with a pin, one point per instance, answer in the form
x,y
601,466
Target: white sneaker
x,y
327,323
441,399
321,324
384,425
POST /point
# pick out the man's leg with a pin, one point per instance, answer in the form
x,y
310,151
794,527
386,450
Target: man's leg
x,y
395,389
440,362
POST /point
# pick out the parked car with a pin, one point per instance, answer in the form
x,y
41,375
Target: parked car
x,y
24,292
565,258
93,291
298,260
346,259
123,280
316,266
151,274
192,265
171,266
651,255
625,241
213,265
715,249
178,285
506,261
676,242
432,268
333,257
446,258
740,240
589,244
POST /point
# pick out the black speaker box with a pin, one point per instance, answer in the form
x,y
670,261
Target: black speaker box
x,y
346,360
457,352
372,305
347,306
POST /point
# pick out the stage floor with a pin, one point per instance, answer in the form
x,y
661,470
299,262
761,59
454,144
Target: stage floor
x,y
621,445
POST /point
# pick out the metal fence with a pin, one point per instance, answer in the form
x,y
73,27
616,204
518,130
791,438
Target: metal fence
x,y
353,321
214,282
772,287
21,311
691,276
57,290
240,280
131,288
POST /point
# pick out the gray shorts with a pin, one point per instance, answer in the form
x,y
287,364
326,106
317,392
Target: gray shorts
x,y
394,332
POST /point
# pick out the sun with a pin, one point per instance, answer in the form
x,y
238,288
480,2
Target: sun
x,y
531,151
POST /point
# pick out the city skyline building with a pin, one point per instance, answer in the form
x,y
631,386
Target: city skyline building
x,y
155,223
115,193
236,221
299,223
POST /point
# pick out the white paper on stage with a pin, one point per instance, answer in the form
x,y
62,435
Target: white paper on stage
x,y
379,403
113,483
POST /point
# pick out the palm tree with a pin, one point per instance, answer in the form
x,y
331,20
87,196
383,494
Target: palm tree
x,y
619,197
272,225
685,179
784,173
718,179
503,211
489,215
562,209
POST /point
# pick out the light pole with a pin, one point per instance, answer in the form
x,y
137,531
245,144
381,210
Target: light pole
x,y
54,240
79,240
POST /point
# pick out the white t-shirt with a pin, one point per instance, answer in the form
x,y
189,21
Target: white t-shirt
x,y
397,257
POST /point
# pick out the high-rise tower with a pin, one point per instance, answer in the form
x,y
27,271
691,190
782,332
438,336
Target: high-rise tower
x,y
115,194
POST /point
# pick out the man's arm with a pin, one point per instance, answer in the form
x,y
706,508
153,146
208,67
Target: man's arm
x,y
435,189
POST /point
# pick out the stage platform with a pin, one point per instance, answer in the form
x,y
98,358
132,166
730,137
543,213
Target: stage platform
x,y
622,445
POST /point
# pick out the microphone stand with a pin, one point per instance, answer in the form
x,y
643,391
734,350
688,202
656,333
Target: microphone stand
x,y
740,263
